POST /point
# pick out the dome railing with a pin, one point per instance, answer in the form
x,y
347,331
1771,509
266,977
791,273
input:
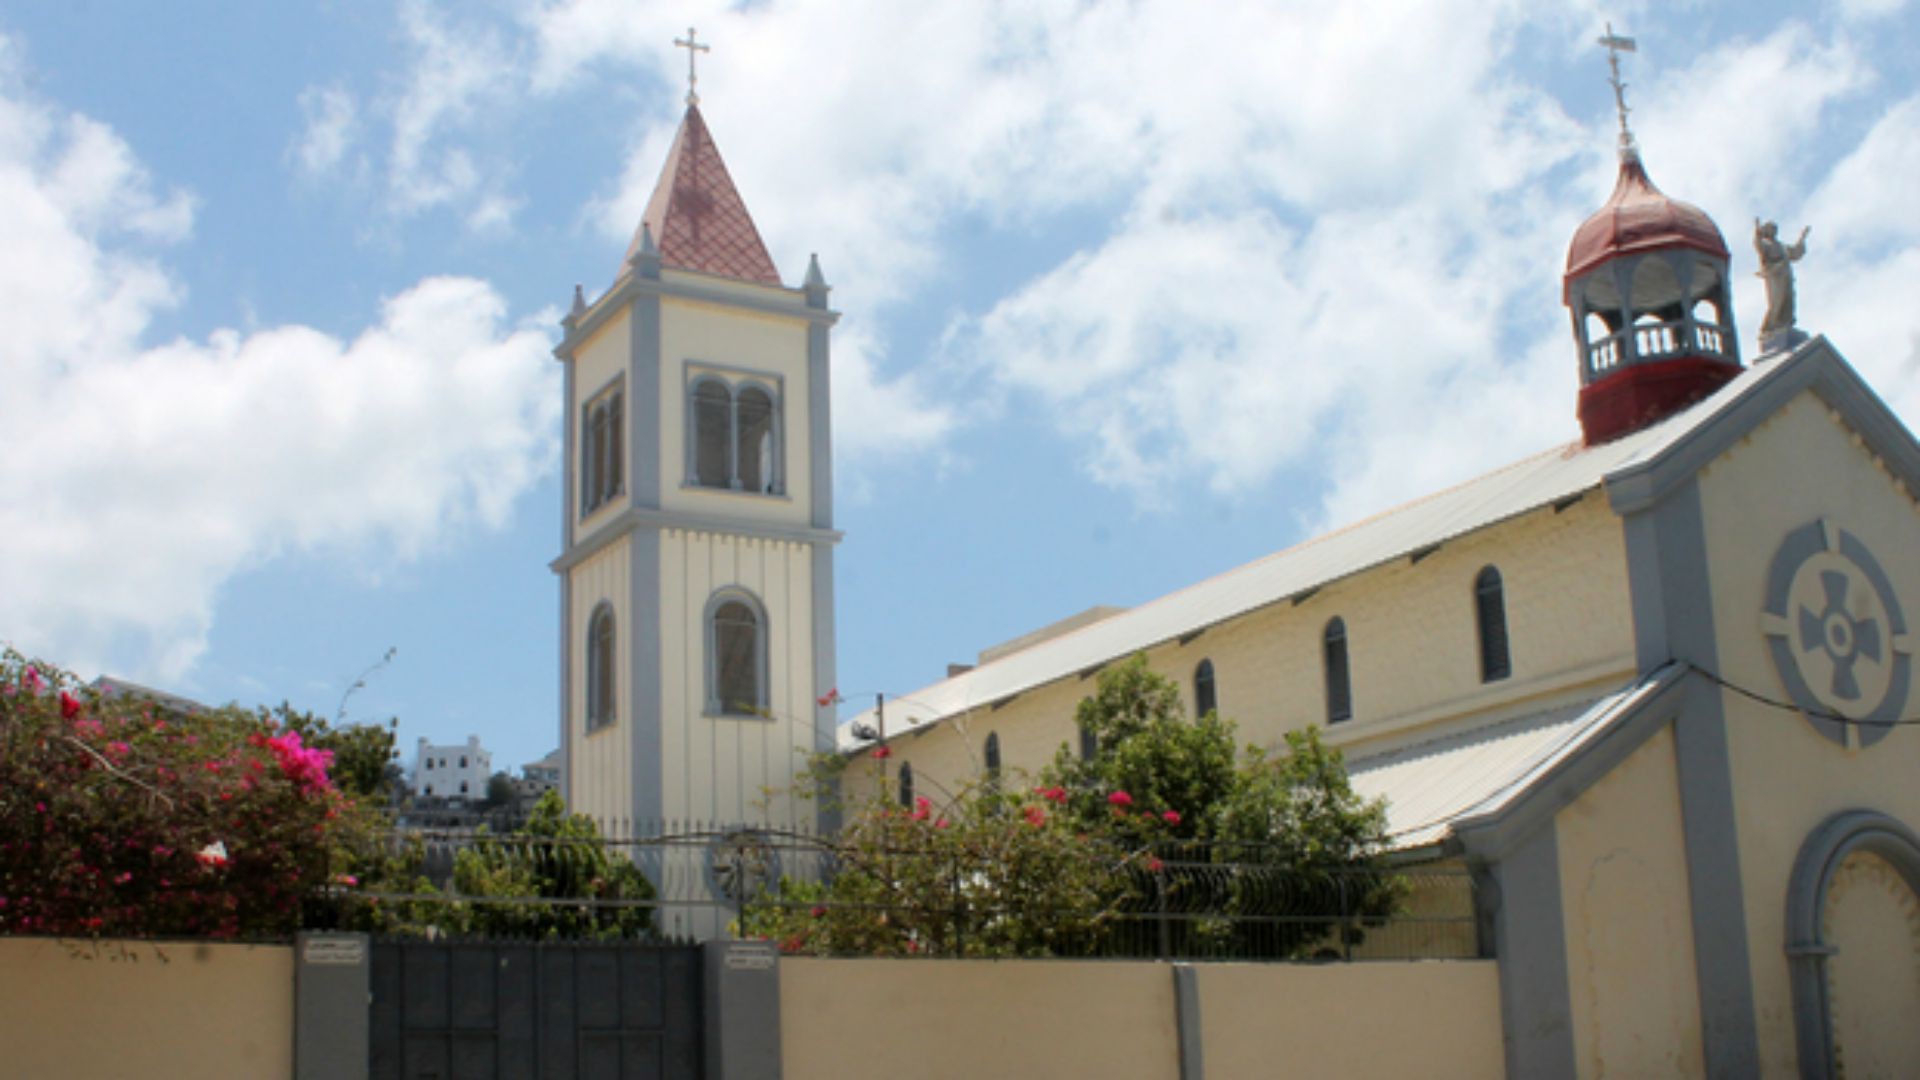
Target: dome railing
x,y
1649,342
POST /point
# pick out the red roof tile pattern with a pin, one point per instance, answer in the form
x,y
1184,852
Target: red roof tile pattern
x,y
1637,217
698,219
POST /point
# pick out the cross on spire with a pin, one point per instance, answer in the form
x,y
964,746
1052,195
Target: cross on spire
x,y
1615,44
692,44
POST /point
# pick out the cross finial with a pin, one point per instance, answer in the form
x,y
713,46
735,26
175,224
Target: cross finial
x,y
1616,44
692,44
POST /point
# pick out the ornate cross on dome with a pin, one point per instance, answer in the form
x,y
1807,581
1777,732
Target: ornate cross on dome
x,y
692,44
1616,44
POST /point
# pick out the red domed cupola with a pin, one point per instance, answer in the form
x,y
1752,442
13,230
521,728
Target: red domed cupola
x,y
1647,285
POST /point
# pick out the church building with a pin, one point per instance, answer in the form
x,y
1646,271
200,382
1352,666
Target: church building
x,y
1653,688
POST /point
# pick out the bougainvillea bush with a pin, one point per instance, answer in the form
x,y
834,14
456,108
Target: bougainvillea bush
x,y
122,817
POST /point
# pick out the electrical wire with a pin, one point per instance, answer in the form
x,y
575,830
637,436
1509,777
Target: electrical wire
x,y
1812,714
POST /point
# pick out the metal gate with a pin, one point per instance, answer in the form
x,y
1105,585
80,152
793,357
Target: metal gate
x,y
485,1010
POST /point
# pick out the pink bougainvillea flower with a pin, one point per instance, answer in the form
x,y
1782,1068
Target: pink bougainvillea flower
x,y
346,879
1171,817
1120,798
34,682
69,705
214,854
1057,794
118,750
941,823
882,752
1154,865
1036,816
922,807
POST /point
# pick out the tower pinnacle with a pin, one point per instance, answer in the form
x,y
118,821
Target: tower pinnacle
x,y
1615,44
692,44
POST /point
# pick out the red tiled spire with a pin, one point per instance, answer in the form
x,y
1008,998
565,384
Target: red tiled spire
x,y
697,217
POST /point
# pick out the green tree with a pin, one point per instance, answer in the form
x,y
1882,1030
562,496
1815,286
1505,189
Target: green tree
x,y
1263,857
499,791
363,754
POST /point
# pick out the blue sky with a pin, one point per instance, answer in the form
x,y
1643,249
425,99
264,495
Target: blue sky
x,y
1133,293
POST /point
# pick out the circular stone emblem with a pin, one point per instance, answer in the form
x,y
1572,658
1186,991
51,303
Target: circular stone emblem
x,y
1837,636
740,865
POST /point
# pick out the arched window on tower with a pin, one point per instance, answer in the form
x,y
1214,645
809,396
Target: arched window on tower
x,y
1333,648
1089,744
1490,609
993,757
736,656
1204,700
601,420
600,664
906,785
733,440
712,434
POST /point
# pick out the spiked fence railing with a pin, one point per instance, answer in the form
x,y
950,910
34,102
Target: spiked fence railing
x,y
1186,901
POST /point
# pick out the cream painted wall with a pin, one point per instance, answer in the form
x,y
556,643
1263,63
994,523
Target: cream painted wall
x,y
1801,464
966,1019
596,363
710,336
598,769
1623,888
1413,648
1116,1020
146,1010
1331,1020
728,768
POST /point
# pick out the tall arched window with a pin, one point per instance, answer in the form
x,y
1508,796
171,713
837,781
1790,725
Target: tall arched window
x,y
1204,700
1089,744
736,656
993,756
1333,648
906,784
733,439
1490,608
600,423
600,653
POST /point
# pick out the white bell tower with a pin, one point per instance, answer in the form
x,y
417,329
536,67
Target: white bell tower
x,y
696,572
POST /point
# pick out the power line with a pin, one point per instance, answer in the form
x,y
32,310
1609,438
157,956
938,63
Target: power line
x,y
1813,714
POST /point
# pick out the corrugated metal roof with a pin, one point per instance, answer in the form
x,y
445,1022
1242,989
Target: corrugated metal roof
x,y
1430,785
1504,493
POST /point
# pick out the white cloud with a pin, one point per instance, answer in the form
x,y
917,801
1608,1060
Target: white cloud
x,y
142,477
332,122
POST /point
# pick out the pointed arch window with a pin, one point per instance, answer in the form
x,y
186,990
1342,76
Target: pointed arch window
x,y
600,667
1333,651
993,757
906,785
736,655
1490,610
601,421
734,435
1204,697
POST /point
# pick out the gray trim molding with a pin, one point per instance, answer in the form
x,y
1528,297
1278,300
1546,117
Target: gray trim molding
x,y
1186,1017
332,984
643,402
820,425
643,694
742,999
642,519
1668,575
825,679
784,301
1536,1010
1816,365
1807,951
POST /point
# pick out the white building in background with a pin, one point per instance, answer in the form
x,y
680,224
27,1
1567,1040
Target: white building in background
x,y
459,771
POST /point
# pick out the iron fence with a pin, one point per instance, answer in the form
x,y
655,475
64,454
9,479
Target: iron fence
x,y
681,881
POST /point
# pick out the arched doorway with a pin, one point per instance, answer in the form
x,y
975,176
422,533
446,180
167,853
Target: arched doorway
x,y
1853,913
